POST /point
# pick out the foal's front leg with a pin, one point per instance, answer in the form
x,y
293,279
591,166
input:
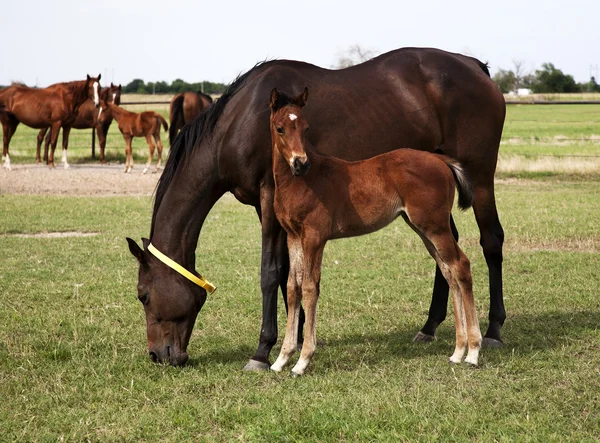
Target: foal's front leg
x,y
294,296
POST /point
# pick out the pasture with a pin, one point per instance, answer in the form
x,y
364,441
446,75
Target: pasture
x,y
73,352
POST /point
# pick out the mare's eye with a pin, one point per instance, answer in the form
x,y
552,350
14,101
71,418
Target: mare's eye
x,y
143,298
280,130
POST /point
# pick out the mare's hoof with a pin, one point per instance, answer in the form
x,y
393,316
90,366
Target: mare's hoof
x,y
256,366
423,338
491,343
294,374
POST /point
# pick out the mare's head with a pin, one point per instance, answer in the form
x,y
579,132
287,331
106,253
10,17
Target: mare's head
x,y
93,88
288,128
171,303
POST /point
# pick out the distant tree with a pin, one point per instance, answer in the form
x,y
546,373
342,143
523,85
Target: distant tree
x,y
590,86
354,55
134,86
161,87
505,80
551,79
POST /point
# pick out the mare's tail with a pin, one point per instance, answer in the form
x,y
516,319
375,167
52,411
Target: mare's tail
x,y
176,117
162,121
463,183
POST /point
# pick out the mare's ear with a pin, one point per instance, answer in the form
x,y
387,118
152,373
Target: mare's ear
x,y
302,98
99,77
88,76
111,85
146,243
119,87
136,251
274,100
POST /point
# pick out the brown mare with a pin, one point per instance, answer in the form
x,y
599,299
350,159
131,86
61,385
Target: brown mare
x,y
184,108
418,97
320,198
87,117
55,106
131,124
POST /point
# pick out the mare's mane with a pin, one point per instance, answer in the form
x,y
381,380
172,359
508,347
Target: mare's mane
x,y
192,133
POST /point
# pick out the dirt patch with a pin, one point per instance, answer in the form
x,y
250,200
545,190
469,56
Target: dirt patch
x,y
78,180
55,234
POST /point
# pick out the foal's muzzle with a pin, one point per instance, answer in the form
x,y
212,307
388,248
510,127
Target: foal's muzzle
x,y
300,166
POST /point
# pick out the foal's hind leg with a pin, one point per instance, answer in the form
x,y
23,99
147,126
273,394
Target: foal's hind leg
x,y
159,145
151,149
41,138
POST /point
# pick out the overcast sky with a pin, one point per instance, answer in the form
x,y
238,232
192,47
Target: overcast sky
x,y
47,41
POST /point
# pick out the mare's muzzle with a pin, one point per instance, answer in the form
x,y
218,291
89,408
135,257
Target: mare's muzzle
x,y
168,355
300,166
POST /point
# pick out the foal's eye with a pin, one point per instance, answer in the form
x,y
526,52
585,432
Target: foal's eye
x,y
280,130
143,298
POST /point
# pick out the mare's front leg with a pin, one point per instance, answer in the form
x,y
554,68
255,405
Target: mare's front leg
x,y
40,140
439,301
294,297
54,138
128,154
159,147
65,145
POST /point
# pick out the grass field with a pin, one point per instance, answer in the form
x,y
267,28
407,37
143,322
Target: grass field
x,y
73,357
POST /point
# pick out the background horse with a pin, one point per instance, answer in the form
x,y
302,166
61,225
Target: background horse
x,y
320,198
55,106
184,108
87,117
131,124
423,98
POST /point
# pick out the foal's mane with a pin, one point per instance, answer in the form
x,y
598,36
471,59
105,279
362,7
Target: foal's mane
x,y
192,133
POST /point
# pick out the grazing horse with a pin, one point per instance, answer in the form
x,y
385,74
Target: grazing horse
x,y
55,106
87,117
320,198
184,108
419,97
131,124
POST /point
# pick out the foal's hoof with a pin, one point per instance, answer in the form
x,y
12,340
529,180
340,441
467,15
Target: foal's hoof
x,y
492,343
295,374
256,366
423,338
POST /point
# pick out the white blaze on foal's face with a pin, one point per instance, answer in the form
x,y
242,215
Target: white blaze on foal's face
x,y
96,97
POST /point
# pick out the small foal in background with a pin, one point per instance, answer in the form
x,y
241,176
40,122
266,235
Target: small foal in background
x,y
319,198
145,124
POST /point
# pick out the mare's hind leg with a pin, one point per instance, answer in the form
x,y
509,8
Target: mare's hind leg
x,y
9,126
491,240
439,301
42,139
151,150
159,146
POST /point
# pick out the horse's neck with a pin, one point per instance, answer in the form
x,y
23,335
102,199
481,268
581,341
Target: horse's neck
x,y
194,190
116,112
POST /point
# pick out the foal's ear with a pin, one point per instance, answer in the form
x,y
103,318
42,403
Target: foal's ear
x,y
274,99
99,77
136,251
111,85
88,76
302,98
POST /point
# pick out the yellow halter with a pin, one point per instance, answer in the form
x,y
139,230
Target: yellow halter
x,y
180,269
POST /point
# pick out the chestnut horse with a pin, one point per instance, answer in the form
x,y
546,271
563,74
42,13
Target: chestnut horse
x,y
320,198
419,97
131,124
55,106
184,108
87,117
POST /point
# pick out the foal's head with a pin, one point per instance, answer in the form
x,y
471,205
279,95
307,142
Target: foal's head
x,y
105,112
288,128
112,94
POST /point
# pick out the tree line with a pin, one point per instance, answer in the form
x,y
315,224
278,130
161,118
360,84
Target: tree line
x,y
138,86
548,79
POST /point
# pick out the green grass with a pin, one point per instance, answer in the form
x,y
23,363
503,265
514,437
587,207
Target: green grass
x,y
74,365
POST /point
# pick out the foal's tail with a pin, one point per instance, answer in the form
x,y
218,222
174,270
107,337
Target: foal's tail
x,y
162,121
463,183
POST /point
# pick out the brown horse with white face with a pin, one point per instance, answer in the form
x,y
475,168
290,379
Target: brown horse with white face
x,y
320,198
184,108
55,106
132,124
87,117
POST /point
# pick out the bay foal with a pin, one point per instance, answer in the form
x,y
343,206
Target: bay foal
x,y
318,198
131,124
